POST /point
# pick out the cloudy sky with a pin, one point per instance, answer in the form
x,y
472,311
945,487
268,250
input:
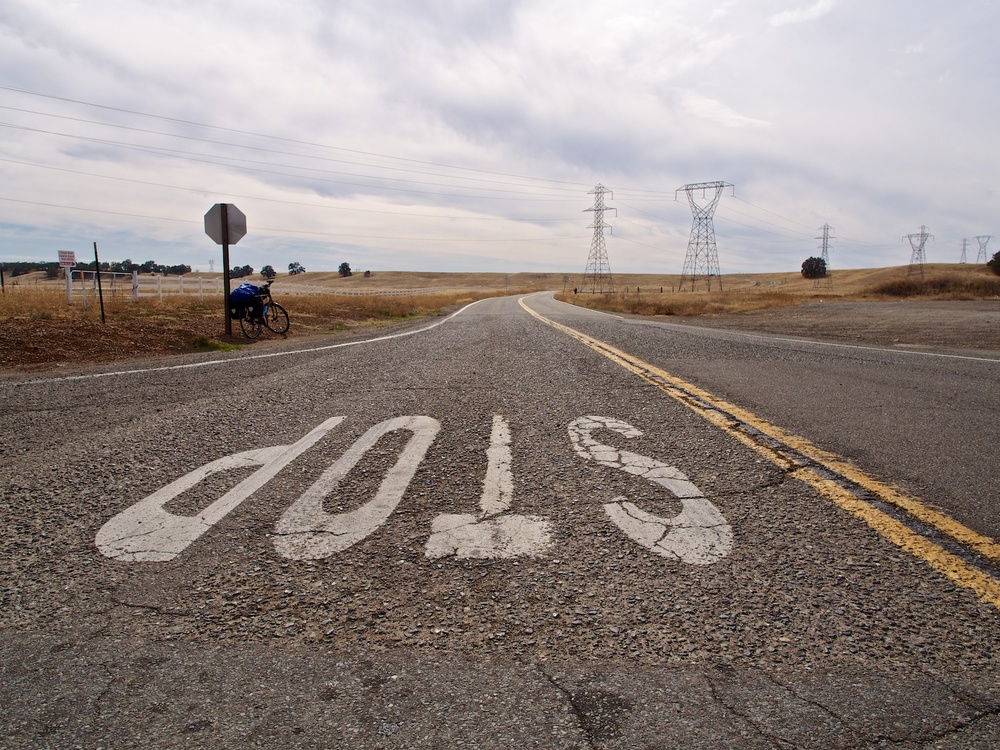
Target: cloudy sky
x,y
453,135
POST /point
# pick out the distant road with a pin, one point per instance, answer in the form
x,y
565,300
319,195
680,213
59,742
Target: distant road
x,y
524,525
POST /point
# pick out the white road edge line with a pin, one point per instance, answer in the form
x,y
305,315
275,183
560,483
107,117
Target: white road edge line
x,y
214,362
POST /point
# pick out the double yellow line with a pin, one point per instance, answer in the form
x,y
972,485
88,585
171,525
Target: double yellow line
x,y
827,473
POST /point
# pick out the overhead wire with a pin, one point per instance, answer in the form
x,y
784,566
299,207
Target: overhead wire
x,y
285,140
353,209
453,177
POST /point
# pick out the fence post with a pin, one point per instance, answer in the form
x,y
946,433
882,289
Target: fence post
x,y
201,286
83,288
180,285
159,286
135,285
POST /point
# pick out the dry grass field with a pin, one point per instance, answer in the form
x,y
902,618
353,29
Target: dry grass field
x,y
41,330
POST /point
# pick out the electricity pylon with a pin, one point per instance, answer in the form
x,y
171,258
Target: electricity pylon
x,y
825,248
983,239
702,257
965,245
918,258
597,276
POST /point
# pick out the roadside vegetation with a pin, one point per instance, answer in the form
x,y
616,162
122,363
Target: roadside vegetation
x,y
41,328
318,311
682,303
753,293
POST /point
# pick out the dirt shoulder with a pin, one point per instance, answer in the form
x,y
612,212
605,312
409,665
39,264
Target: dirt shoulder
x,y
946,324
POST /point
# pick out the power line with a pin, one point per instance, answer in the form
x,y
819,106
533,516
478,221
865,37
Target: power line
x,y
310,144
277,200
209,159
293,231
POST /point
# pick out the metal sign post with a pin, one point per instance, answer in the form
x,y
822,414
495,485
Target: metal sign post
x,y
100,291
225,224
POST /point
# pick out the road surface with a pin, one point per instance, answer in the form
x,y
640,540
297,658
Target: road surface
x,y
524,524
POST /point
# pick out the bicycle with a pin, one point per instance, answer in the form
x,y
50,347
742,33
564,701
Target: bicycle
x,y
274,316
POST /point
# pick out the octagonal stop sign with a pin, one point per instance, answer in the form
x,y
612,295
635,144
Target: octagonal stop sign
x,y
237,223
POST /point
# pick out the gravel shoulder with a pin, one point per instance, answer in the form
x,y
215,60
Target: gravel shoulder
x,y
951,324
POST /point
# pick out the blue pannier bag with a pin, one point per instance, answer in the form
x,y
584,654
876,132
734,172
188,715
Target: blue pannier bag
x,y
240,297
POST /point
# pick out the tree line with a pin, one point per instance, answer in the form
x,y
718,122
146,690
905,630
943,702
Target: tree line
x,y
52,268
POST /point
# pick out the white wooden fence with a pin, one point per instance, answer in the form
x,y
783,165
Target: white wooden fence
x,y
84,283
135,286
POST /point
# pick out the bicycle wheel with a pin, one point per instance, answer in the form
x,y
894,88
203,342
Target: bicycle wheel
x,y
276,318
250,326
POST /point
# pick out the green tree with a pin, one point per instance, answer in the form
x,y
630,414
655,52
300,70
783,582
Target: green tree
x,y
344,270
814,268
995,263
268,272
295,268
238,272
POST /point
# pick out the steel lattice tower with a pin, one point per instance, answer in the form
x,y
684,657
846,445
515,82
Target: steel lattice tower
x,y
825,248
918,258
702,257
965,245
597,276
983,239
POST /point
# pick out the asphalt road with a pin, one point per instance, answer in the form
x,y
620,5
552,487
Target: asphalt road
x,y
488,532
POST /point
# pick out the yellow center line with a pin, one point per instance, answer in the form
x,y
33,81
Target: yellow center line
x,y
730,418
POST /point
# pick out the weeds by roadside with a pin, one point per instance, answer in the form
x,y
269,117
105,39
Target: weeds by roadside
x,y
941,287
42,329
682,303
935,286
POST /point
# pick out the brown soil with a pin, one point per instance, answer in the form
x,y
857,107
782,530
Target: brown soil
x,y
950,324
36,345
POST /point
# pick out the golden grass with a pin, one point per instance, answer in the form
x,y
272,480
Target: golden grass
x,y
682,303
317,311
942,286
323,309
744,293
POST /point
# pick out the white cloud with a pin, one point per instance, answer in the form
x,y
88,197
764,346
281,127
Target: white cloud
x,y
716,111
800,15
434,134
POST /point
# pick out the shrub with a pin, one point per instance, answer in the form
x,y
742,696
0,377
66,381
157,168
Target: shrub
x,y
994,264
814,268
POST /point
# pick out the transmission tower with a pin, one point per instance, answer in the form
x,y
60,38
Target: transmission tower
x,y
965,245
702,257
917,259
597,276
825,248
983,239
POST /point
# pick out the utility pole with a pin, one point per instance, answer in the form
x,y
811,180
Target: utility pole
x,y
964,259
825,250
983,239
597,276
702,257
918,258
